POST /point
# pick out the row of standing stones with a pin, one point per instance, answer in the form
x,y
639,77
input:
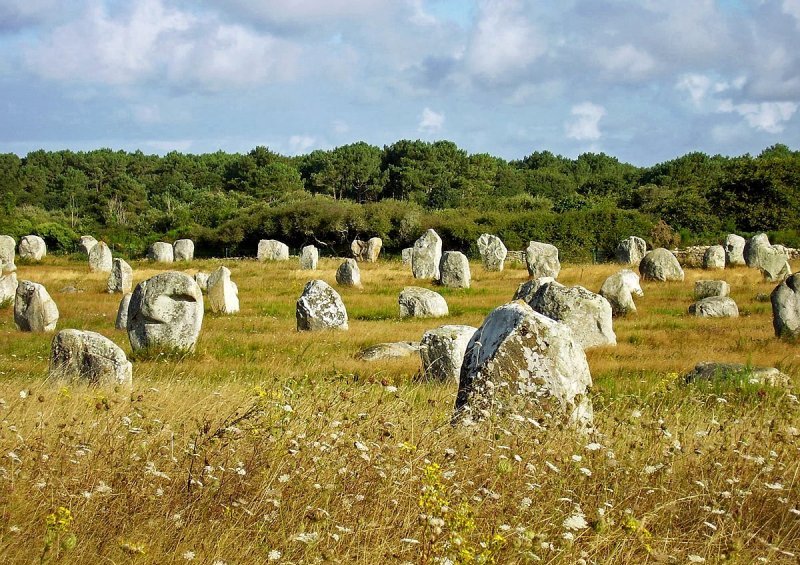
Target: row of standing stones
x,y
529,351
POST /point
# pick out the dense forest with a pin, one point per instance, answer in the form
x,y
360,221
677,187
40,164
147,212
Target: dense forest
x,y
227,202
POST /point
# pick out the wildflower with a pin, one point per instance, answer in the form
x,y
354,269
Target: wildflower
x,y
360,446
306,537
525,503
132,548
552,467
102,488
409,540
274,555
586,471
575,522
774,486
188,555
14,529
390,388
23,394
696,559
283,478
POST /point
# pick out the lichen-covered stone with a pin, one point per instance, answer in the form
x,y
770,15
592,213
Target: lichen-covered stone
x,y
588,315
86,243
660,265
7,252
309,257
407,255
442,352
8,288
32,248
391,350
34,309
121,277
161,252
454,270
785,301
272,250
734,250
100,258
374,245
183,250
706,289
89,356
542,260
493,252
715,307
121,323
619,289
223,294
426,256
201,279
348,274
320,308
714,258
418,302
631,251
752,249
528,289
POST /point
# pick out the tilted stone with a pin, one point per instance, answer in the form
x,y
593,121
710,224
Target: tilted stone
x,y
734,250
493,252
542,260
223,294
392,350
320,308
348,274
86,243
587,314
121,322
165,313
454,270
785,301
8,288
272,250
417,302
706,289
660,265
442,352
121,277
527,290
34,310
426,256
774,263
309,257
714,257
525,366
631,251
161,252
619,289
757,250
715,307
183,250
89,356
32,248
100,259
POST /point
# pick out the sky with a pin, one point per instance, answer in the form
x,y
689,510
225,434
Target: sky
x,y
644,81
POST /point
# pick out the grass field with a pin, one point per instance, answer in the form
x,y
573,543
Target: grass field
x,y
270,445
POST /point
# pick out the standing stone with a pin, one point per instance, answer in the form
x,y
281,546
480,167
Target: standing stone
x,y
786,307
161,252
442,352
753,250
100,259
631,251
374,245
201,279
714,258
619,289
706,289
734,250
715,307
359,249
587,314
32,248
165,313
454,270
90,357
774,263
309,257
121,277
86,243
493,252
320,308
524,366
426,256
542,260
348,274
7,247
406,255
122,313
417,302
183,250
528,289
34,310
272,250
660,265
223,294
8,288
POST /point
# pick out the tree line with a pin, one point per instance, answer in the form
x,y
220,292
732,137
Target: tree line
x,y
227,202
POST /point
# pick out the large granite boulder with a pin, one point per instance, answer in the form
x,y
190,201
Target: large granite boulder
x,y
161,252
100,259
442,352
631,251
7,252
348,274
426,256
454,270
320,308
734,250
528,289
619,289
34,310
309,257
374,245
183,250
121,277
542,260
8,288
90,357
707,289
660,265
493,252
753,250
714,258
32,248
587,314
86,243
272,250
121,323
715,307
525,366
223,294
417,302
391,350
786,307
165,313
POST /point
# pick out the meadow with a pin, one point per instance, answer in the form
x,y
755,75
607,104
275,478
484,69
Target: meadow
x,y
271,445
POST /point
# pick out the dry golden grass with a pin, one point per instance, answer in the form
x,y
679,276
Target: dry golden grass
x,y
270,444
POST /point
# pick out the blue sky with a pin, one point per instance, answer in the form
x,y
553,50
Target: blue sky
x,y
644,81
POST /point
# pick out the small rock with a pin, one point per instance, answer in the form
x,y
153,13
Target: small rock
x,y
309,257
493,252
631,251
619,289
417,302
426,256
89,356
121,322
121,277
714,258
100,259
161,252
32,248
660,265
734,250
393,350
715,307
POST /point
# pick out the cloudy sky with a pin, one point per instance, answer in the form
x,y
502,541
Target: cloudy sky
x,y
644,80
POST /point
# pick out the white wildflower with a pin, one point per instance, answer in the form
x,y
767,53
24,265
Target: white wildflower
x,y
360,446
585,471
696,559
274,555
575,522
188,555
306,537
774,486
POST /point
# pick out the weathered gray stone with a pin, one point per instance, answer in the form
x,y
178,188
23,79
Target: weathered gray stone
x,y
523,365
542,260
417,302
272,250
407,255
7,254
223,294
527,290
715,307
121,322
631,251
774,263
587,314
754,250
660,265
707,289
426,256
619,289
165,313
309,257
393,350
442,352
454,270
737,372
359,249
86,243
734,250
785,301
32,248
714,258
161,252
374,245
8,288
121,277
201,279
100,259
493,252
348,274
320,308
89,356
34,310
183,250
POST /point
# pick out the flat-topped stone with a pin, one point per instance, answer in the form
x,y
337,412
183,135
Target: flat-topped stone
x,y
272,250
183,250
161,252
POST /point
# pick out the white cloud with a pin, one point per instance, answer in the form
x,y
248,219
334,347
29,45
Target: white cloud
x,y
299,144
792,7
585,125
430,121
626,59
770,117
